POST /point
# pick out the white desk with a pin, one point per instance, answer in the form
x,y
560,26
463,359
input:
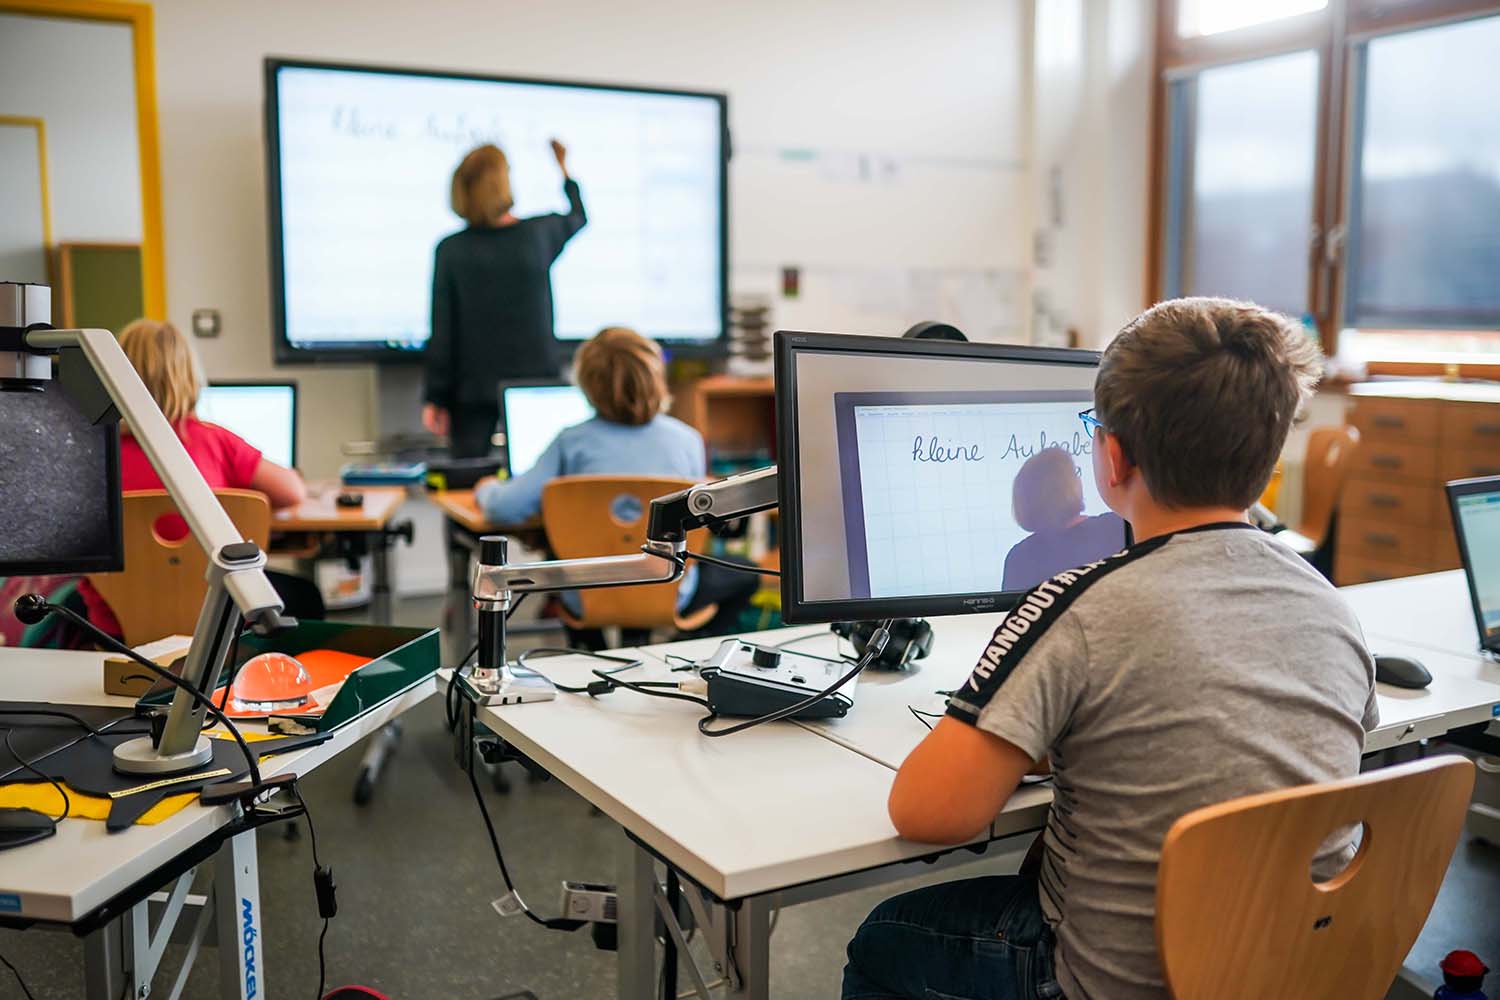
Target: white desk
x,y
791,812
1431,611
68,876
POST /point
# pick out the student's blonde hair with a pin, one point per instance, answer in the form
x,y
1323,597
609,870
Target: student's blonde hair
x,y
167,364
481,186
623,375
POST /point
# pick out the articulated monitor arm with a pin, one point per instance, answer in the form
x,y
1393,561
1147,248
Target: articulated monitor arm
x,y
661,560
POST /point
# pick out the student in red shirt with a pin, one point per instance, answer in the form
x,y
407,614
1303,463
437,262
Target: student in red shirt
x,y
169,368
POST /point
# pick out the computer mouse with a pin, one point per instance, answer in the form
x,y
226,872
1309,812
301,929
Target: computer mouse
x,y
24,826
1401,671
349,498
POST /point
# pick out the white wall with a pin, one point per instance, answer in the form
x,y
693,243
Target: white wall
x,y
1091,105
880,146
79,77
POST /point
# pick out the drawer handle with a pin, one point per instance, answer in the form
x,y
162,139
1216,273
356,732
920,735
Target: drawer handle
x,y
1388,420
1487,428
1485,470
1382,538
1386,461
1384,500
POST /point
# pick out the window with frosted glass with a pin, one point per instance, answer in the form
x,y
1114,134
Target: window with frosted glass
x,y
1424,210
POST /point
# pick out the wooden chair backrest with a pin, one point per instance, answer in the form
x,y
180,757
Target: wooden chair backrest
x,y
161,589
606,516
1329,453
1239,915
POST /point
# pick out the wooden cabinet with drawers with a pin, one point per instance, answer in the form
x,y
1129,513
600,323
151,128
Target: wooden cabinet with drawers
x,y
1414,437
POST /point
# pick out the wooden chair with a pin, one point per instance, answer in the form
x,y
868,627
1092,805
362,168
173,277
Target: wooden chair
x,y
605,516
1330,451
1239,915
161,589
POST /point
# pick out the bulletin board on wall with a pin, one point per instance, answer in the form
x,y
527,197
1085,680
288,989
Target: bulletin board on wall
x,y
98,285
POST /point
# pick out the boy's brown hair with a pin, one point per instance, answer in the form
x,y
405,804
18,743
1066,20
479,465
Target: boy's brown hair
x,y
481,187
623,376
1201,393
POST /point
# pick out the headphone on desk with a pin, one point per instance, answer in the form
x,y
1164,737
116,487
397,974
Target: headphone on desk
x,y
910,639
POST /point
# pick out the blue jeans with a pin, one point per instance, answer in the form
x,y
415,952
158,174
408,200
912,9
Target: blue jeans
x,y
978,939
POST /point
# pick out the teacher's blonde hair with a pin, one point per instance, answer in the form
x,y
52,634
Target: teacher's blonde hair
x,y
166,362
481,186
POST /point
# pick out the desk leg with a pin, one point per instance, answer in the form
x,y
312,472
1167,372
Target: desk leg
x,y
752,949
380,590
242,967
105,954
635,881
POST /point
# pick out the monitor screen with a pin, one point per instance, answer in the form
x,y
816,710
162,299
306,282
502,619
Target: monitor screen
x,y
360,162
59,487
929,477
1476,510
531,416
263,413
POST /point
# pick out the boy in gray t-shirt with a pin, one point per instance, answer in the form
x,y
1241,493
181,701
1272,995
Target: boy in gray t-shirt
x,y
1205,662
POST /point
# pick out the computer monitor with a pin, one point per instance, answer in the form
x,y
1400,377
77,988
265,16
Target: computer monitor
x,y
531,414
1476,519
263,413
923,477
59,486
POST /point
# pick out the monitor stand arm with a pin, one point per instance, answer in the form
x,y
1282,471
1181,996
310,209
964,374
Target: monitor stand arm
x,y
102,381
661,560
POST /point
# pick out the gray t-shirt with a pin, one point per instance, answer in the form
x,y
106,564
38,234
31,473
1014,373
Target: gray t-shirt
x,y
1189,669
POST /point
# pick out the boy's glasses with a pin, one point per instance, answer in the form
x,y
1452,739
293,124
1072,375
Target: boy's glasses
x,y
1091,423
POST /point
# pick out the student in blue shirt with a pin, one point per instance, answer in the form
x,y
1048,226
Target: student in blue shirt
x,y
624,377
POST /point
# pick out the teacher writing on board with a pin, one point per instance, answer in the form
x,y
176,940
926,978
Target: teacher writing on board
x,y
491,300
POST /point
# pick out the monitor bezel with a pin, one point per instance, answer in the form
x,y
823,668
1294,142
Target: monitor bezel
x,y
108,562
503,425
788,344
288,353
270,383
1461,488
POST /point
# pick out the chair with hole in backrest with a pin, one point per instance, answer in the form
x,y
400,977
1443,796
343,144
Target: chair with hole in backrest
x,y
606,516
1238,913
1330,451
161,589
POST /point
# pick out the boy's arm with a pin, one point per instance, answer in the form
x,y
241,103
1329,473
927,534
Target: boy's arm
x,y
1000,724
954,783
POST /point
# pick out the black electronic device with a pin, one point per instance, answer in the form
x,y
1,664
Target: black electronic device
x,y
933,330
748,681
910,639
1401,672
24,826
1475,506
931,477
349,498
346,286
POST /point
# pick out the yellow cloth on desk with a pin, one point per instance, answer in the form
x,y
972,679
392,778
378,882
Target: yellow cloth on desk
x,y
42,797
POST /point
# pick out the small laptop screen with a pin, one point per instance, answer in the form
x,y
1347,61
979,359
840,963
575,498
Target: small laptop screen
x,y
264,414
1479,515
533,415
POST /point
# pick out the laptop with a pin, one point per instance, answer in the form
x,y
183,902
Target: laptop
x,y
263,413
1476,519
532,414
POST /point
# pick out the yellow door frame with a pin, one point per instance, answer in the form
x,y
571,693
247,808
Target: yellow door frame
x,y
27,121
140,18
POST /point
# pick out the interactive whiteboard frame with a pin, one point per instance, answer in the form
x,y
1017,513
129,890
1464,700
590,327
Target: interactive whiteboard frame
x,y
288,353
795,609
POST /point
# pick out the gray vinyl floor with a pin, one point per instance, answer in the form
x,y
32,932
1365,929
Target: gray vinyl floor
x,y
416,878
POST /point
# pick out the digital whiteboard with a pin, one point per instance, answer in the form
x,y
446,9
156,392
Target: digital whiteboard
x,y
359,166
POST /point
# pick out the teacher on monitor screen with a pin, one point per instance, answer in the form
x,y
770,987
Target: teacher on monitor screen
x,y
491,299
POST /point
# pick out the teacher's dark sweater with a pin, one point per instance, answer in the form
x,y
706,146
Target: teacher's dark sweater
x,y
492,306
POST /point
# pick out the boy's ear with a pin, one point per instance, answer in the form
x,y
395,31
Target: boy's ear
x,y
1121,468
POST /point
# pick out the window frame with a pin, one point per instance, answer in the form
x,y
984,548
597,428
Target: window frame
x,y
1340,34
